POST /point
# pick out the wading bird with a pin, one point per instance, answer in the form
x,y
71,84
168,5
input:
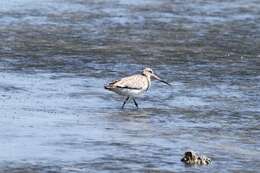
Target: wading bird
x,y
133,86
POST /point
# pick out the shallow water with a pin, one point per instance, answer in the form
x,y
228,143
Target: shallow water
x,y
55,57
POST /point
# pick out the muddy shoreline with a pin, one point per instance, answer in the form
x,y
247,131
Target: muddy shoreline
x,y
56,56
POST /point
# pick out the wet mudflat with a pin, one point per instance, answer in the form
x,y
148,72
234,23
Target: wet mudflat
x,y
56,55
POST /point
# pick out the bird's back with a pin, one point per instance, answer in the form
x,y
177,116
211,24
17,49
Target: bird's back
x,y
138,82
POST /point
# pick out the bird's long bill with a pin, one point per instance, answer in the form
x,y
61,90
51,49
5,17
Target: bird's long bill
x,y
159,79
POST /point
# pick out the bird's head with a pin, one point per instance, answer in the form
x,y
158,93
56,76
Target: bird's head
x,y
150,74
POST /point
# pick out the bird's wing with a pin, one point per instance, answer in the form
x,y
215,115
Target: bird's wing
x,y
131,82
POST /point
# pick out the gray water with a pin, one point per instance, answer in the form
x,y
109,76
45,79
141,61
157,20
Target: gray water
x,y
56,55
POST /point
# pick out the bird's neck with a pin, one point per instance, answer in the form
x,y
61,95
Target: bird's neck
x,y
148,77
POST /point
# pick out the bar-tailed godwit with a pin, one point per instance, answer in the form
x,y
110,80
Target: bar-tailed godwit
x,y
133,86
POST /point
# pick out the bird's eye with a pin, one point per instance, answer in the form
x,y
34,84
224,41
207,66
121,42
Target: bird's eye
x,y
150,71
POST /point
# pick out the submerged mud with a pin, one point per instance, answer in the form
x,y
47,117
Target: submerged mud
x,y
56,55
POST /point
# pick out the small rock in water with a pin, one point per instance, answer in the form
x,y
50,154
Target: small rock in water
x,y
192,158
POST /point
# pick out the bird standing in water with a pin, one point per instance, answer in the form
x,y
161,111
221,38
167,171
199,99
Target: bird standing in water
x,y
133,86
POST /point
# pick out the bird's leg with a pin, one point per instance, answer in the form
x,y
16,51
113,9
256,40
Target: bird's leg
x,y
125,102
135,103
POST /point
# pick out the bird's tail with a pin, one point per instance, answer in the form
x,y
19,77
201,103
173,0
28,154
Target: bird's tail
x,y
111,85
108,87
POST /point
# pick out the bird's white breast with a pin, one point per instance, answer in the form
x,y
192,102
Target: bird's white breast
x,y
130,92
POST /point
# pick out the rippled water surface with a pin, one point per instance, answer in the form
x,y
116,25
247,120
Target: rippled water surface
x,y
56,55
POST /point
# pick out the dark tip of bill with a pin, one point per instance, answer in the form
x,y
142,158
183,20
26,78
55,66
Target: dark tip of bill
x,y
165,82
